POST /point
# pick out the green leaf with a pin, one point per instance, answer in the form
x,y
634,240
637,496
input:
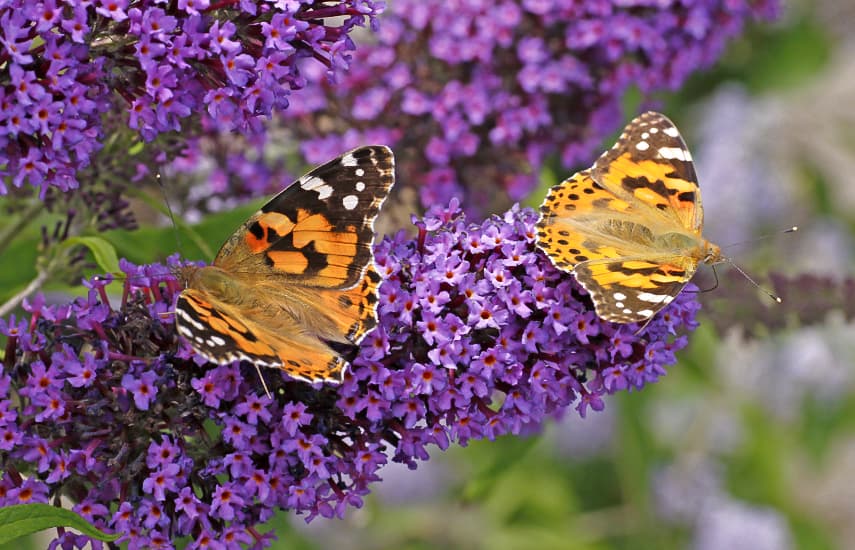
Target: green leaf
x,y
103,250
26,519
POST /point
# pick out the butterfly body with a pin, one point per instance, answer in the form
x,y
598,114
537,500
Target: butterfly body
x,y
295,284
630,227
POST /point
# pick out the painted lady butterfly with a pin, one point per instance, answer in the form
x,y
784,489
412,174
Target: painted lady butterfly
x,y
294,287
629,228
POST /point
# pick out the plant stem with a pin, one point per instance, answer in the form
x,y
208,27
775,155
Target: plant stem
x,y
15,301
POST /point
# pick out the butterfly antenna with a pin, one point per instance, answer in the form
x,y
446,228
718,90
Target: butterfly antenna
x,y
793,229
768,293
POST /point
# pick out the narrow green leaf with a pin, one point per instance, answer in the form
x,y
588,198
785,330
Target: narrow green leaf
x,y
103,250
25,519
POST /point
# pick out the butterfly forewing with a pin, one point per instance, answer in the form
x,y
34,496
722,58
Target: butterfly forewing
x,y
651,164
319,231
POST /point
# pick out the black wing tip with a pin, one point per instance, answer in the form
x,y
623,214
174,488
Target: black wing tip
x,y
382,152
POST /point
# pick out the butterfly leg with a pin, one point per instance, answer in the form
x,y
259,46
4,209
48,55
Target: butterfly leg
x,y
263,382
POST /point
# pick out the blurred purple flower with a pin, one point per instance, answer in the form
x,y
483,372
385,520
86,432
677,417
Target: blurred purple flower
x,y
474,99
478,356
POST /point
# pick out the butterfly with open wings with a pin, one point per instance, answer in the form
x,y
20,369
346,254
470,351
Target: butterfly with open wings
x,y
294,287
630,227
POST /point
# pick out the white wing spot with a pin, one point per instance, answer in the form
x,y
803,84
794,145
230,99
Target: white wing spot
x,y
671,131
190,320
349,160
217,340
643,146
360,186
627,311
324,192
654,298
619,296
350,202
646,312
654,130
311,182
645,135
360,172
674,153
618,304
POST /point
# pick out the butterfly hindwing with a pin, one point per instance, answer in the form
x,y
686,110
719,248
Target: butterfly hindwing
x,y
216,332
354,309
577,223
622,291
220,334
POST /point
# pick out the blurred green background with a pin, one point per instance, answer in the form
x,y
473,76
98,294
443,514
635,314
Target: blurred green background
x,y
749,442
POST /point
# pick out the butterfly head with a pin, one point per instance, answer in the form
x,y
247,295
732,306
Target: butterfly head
x,y
712,253
186,274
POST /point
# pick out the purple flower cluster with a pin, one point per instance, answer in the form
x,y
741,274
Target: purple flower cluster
x,y
475,98
65,63
479,336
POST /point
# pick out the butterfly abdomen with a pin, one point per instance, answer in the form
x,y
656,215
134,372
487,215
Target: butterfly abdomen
x,y
681,243
218,283
628,231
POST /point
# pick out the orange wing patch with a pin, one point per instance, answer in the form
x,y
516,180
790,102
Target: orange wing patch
x,y
354,310
567,230
651,164
266,229
653,183
308,361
